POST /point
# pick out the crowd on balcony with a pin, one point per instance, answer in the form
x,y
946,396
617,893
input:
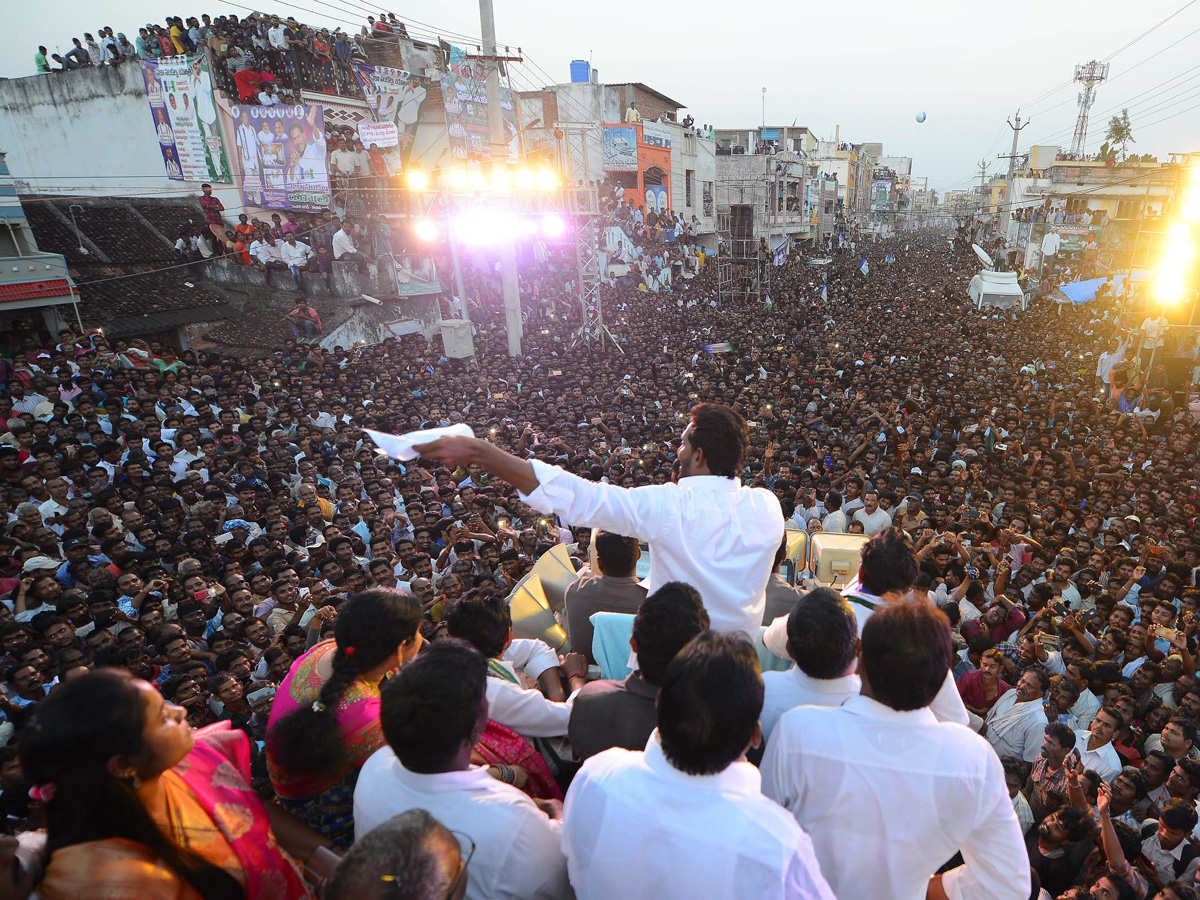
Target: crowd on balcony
x,y
248,53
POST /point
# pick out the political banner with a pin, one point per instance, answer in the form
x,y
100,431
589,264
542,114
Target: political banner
x,y
381,134
656,198
281,159
464,92
1078,237
396,98
619,148
780,254
655,135
179,90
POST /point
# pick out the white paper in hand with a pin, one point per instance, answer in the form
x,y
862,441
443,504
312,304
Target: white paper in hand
x,y
400,446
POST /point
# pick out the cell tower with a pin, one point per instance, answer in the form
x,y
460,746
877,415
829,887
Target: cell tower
x,y
1089,75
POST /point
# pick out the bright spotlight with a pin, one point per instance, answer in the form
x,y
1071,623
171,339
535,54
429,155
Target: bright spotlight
x,y
553,226
546,180
525,180
1181,248
500,182
416,180
425,229
1169,286
475,180
458,179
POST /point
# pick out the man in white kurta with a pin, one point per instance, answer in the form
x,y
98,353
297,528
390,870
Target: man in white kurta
x,y
1016,723
707,530
686,816
887,792
637,828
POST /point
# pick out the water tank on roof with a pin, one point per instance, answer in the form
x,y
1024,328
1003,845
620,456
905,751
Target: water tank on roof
x,y
579,70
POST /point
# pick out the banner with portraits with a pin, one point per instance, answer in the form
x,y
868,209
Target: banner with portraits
x,y
179,91
464,92
281,157
396,98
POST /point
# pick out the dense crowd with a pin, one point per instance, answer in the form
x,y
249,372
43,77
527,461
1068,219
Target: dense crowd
x,y
208,543
257,59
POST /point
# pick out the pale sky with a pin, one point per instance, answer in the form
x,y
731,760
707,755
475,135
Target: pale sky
x,y
862,67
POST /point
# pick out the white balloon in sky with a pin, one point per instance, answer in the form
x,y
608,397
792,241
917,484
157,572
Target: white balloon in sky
x,y
921,117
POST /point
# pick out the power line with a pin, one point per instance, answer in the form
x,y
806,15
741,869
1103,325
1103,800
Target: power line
x,y
1148,30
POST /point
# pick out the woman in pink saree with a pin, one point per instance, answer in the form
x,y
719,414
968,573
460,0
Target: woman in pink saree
x,y
140,807
325,719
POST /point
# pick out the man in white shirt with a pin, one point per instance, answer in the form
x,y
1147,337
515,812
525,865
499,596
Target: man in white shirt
x,y
1050,244
1154,330
264,255
707,530
823,641
295,255
486,624
344,249
686,817
1079,673
887,792
873,519
835,519
886,576
1107,362
1016,723
432,714
1095,746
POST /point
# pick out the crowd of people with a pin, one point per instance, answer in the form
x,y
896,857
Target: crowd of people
x,y
257,59
247,655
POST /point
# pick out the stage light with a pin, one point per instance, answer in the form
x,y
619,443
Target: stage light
x,y
525,180
416,180
1169,286
475,179
546,180
486,227
1191,204
458,179
500,182
553,226
425,229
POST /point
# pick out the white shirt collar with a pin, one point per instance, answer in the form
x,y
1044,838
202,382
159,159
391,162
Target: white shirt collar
x,y
870,708
739,777
841,685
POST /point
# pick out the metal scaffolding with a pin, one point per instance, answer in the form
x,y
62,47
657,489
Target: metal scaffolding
x,y
583,202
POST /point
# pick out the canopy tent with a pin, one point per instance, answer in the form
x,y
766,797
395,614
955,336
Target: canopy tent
x,y
1079,292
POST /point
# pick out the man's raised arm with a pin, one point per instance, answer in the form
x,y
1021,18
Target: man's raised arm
x,y
459,450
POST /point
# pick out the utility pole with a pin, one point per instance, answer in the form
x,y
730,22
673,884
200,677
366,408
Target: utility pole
x,y
499,163
983,167
1012,166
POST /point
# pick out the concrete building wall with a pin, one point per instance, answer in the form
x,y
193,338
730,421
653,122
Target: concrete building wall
x,y
88,131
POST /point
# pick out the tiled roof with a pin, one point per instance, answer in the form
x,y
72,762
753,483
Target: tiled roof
x,y
51,234
259,328
142,279
148,291
169,219
121,237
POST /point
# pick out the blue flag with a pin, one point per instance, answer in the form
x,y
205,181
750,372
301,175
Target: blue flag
x,y
825,291
864,268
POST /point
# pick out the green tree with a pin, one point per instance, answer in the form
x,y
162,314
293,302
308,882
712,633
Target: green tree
x,y
1120,132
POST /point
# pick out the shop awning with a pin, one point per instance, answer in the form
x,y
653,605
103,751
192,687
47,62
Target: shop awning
x,y
37,290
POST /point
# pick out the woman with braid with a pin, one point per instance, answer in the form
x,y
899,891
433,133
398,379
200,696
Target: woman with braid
x,y
325,720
